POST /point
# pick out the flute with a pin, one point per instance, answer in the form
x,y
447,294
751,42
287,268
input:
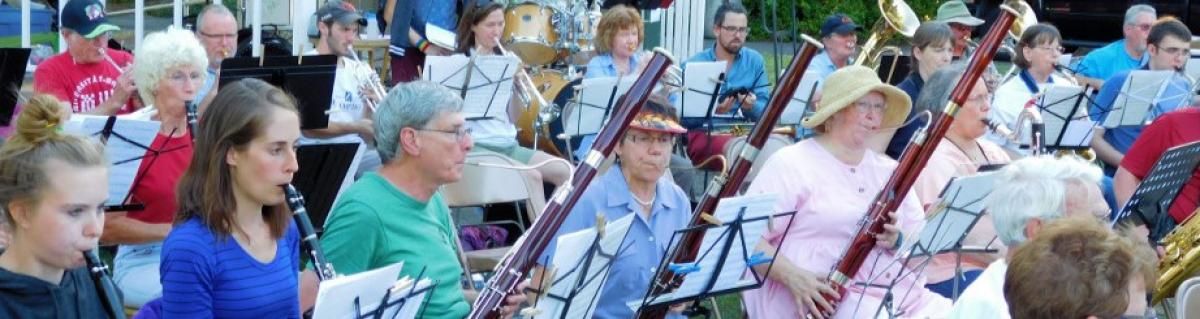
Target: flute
x,y
104,285
308,237
104,54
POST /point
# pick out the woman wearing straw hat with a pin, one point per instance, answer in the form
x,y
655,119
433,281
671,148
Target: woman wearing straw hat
x,y
830,180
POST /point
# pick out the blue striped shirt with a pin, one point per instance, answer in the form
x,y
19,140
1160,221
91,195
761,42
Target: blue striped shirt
x,y
204,276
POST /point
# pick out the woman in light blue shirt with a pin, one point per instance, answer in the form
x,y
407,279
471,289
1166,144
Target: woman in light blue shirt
x,y
619,37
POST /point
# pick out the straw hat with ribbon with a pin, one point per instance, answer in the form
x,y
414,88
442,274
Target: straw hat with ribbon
x,y
847,85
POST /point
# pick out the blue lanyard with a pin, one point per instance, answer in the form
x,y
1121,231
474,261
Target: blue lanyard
x,y
1030,83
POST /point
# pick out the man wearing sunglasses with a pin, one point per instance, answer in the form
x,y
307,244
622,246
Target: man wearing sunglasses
x,y
81,77
1125,54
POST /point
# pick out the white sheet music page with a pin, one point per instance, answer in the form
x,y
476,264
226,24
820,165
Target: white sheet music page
x,y
491,79
124,153
960,204
700,80
595,97
568,258
1138,95
810,82
1057,104
734,273
336,297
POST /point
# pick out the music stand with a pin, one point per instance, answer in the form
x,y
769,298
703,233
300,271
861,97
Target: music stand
x,y
702,83
127,142
588,256
1064,115
485,83
1154,196
726,253
894,68
373,290
12,75
307,78
801,103
1139,94
593,104
321,167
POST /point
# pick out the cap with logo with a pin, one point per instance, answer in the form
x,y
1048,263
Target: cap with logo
x,y
838,23
341,12
86,17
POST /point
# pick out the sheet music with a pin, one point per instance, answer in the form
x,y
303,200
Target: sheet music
x,y
440,37
596,97
125,152
733,274
700,80
961,204
1137,97
1065,105
491,86
797,107
572,248
413,307
335,297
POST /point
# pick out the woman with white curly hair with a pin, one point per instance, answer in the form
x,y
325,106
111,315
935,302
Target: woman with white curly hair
x,y
168,67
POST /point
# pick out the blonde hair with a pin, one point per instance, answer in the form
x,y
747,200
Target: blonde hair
x,y
615,20
161,51
38,138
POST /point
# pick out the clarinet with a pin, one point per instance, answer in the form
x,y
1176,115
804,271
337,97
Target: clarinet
x,y
190,108
521,257
308,237
728,183
104,285
913,160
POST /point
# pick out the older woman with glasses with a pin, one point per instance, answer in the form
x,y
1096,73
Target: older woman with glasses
x,y
829,181
1037,53
962,152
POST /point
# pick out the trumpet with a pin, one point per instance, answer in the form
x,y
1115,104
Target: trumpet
x,y
528,91
110,60
372,83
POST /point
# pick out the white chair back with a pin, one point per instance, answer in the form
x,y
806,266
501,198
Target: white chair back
x,y
1187,299
481,185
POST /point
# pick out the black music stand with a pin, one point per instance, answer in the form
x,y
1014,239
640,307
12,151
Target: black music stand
x,y
307,78
399,304
702,84
591,107
725,255
1064,116
893,69
485,83
323,166
1137,99
12,75
573,293
127,143
1154,196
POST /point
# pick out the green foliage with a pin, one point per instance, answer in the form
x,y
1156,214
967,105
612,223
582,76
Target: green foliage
x,y
809,14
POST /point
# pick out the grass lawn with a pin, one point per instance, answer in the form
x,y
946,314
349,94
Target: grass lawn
x,y
50,38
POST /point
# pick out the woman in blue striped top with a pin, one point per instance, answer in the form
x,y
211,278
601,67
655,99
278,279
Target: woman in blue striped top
x,y
233,252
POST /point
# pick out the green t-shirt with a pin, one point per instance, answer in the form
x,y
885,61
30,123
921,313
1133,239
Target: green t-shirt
x,y
374,224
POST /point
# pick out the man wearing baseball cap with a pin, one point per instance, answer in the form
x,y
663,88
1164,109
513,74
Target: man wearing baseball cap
x,y
961,21
840,37
338,24
81,76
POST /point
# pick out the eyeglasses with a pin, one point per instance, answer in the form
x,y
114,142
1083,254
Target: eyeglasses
x,y
226,36
1058,49
179,77
459,134
865,107
1175,50
1143,27
646,140
736,30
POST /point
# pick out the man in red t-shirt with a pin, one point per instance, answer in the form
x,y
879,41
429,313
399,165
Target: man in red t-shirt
x,y
1170,130
81,76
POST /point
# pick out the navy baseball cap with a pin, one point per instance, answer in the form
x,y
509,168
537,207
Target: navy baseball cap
x,y
838,23
341,12
86,17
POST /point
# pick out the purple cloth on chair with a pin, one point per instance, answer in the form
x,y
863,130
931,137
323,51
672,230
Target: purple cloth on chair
x,y
151,310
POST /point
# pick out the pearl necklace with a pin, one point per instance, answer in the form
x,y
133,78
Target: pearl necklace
x,y
644,203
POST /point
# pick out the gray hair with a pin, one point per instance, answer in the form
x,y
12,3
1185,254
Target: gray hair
x,y
211,9
161,51
937,89
1134,10
414,105
1035,187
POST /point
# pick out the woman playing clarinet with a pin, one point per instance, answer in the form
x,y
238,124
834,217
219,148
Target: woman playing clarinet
x,y
53,188
635,184
233,251
829,181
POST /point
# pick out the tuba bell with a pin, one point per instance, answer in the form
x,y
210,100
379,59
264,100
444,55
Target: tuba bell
x,y
1182,258
896,17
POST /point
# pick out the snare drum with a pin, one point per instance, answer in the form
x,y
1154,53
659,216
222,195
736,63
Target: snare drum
x,y
529,32
550,84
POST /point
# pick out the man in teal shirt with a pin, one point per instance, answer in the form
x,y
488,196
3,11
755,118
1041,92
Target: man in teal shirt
x,y
1125,54
397,214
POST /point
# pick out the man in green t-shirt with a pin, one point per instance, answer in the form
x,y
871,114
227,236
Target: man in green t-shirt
x,y
397,214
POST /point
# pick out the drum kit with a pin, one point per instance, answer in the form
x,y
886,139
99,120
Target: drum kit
x,y
555,37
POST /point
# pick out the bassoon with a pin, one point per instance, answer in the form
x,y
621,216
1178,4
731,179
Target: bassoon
x,y
104,285
727,183
522,256
913,160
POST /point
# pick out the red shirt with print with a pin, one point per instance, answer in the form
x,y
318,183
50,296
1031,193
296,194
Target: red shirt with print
x,y
160,171
1170,130
83,86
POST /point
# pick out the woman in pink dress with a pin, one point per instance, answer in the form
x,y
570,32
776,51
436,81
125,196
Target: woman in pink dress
x,y
829,180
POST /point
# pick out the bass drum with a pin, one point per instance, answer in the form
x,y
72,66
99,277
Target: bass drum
x,y
530,33
550,84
